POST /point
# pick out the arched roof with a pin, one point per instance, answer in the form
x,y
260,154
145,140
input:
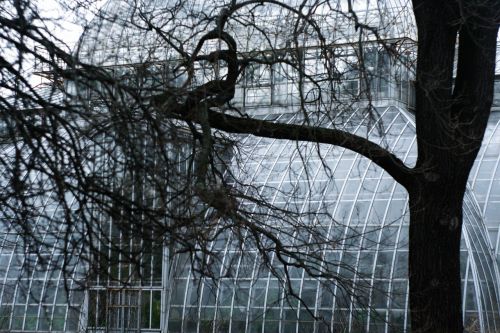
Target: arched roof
x,y
129,32
357,203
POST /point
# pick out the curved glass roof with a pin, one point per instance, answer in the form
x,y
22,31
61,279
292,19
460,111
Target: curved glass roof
x,y
128,32
363,213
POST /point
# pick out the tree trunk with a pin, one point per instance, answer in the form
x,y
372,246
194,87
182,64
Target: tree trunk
x,y
451,117
434,260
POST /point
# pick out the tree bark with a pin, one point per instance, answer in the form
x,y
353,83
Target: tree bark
x,y
434,260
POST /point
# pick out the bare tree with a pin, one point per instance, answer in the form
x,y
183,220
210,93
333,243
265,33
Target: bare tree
x,y
136,147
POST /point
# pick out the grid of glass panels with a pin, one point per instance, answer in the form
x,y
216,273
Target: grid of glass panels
x,y
369,210
127,292
42,281
124,310
35,295
41,292
368,203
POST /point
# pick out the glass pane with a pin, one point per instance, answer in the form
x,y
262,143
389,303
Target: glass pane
x,y
156,310
145,313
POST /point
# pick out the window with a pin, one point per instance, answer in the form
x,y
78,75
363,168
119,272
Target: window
x,y
124,309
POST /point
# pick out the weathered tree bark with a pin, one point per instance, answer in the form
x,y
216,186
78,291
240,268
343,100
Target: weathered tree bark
x,y
434,262
451,118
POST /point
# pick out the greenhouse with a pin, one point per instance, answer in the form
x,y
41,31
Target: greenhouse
x,y
353,206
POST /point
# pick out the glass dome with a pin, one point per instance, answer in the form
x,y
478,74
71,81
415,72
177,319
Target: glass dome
x,y
128,32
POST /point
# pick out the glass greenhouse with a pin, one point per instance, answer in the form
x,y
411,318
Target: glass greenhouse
x,y
358,210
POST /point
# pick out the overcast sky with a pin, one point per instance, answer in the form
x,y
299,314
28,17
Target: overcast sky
x,y
66,25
